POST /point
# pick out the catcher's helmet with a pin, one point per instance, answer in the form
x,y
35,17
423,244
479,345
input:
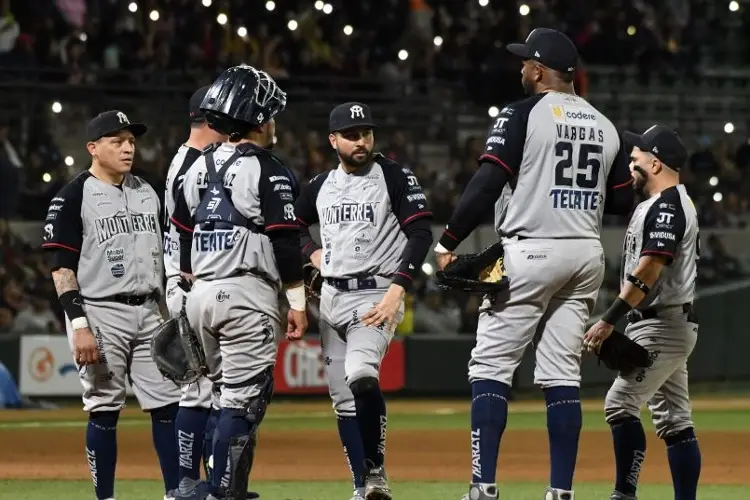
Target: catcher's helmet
x,y
242,98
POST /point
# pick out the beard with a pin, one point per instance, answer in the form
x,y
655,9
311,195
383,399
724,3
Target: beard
x,y
356,161
640,181
528,87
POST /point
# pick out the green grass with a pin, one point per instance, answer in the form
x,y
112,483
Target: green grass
x,y
151,490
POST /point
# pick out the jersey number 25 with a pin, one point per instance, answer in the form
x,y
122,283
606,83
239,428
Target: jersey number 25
x,y
587,165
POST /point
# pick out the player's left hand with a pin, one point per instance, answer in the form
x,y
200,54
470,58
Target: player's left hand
x,y
385,312
443,259
597,334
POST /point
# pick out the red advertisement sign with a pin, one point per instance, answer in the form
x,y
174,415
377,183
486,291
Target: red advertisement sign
x,y
300,368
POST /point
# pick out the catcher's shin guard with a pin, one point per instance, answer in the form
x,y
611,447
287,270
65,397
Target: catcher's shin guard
x,y
241,456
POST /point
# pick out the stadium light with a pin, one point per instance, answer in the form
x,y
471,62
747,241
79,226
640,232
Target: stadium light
x,y
69,161
484,3
427,268
292,25
327,8
734,6
242,31
222,19
729,127
319,5
348,30
438,41
270,5
718,197
154,15
133,7
524,10
206,3
83,37
631,30
713,181
403,55
46,177
493,111
56,107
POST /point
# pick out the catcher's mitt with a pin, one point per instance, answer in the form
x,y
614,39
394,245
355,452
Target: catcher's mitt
x,y
313,280
618,352
481,272
177,351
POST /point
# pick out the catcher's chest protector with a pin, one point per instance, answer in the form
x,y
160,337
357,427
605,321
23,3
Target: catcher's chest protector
x,y
215,210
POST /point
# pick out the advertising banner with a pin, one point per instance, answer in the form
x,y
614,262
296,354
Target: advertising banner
x,y
300,368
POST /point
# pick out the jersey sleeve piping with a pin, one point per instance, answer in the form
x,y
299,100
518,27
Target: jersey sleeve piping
x,y
181,226
60,245
495,159
624,184
276,227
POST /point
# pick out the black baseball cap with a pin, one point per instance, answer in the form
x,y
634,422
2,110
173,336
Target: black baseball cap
x,y
111,122
350,115
548,47
196,114
662,142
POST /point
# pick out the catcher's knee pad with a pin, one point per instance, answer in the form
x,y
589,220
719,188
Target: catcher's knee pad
x,y
364,385
253,406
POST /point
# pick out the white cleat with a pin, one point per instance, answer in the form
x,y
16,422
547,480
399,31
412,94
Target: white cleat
x,y
556,494
478,492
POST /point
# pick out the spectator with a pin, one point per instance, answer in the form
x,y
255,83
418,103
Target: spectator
x,y
38,317
436,315
10,174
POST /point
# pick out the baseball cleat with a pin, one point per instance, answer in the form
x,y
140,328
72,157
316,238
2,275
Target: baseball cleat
x,y
616,495
357,496
556,494
479,492
376,485
171,495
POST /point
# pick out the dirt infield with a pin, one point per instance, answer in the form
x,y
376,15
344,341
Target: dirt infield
x,y
315,455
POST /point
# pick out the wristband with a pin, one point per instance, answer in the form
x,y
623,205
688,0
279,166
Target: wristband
x,y
79,323
296,298
441,249
617,310
72,304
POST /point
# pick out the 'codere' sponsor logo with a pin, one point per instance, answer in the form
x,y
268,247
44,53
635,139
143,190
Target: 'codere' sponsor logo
x,y
109,227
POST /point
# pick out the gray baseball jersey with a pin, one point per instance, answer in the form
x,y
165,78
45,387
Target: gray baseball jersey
x,y
261,191
360,217
112,232
666,225
563,156
181,162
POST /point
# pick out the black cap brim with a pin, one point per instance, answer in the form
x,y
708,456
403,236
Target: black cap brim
x,y
520,49
635,140
137,129
354,126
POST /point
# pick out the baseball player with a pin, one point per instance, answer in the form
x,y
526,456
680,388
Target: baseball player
x,y
659,269
375,230
196,418
239,236
565,166
103,232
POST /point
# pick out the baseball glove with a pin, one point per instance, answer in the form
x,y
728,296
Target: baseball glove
x,y
481,272
620,353
313,280
177,351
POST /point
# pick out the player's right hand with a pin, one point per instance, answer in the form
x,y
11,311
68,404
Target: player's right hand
x,y
443,259
85,350
315,258
296,324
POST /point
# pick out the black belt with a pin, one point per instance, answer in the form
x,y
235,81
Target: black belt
x,y
344,284
637,315
130,300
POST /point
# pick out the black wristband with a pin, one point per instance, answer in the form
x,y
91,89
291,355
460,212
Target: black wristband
x,y
617,310
72,304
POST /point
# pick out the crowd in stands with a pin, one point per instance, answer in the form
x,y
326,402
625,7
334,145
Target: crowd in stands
x,y
451,44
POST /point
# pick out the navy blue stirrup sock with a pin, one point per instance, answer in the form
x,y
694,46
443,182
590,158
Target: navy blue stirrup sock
x,y
165,443
354,450
684,457
489,416
564,420
629,442
101,451
190,426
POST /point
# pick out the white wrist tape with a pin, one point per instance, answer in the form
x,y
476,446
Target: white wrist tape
x,y
78,323
296,298
441,249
